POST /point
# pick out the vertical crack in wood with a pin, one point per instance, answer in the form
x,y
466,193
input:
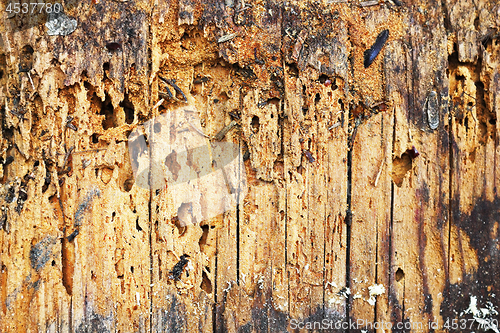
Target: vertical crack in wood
x,y
450,199
308,226
323,307
238,243
282,125
348,221
238,203
391,288
217,320
214,306
325,230
151,191
67,255
70,310
150,230
377,229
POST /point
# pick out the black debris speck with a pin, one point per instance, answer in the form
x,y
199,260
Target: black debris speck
x,y
3,221
21,198
11,194
176,272
8,160
372,53
113,46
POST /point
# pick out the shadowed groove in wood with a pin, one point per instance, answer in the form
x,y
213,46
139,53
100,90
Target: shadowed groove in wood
x,y
348,220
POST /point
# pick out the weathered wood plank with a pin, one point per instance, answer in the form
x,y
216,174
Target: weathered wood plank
x,y
370,225
421,198
371,140
395,69
74,239
297,241
335,213
474,211
337,195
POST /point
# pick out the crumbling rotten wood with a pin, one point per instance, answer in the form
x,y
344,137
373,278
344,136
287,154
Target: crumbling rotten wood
x,y
369,137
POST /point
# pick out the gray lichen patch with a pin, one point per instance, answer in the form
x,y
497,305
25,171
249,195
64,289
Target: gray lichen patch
x,y
59,24
41,252
85,205
431,108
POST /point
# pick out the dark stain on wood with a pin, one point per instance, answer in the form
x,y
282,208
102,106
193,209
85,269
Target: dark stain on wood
x,y
113,46
375,49
174,319
41,252
72,236
85,205
93,322
481,226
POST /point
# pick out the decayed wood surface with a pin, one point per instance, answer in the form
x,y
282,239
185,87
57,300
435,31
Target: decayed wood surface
x,y
338,200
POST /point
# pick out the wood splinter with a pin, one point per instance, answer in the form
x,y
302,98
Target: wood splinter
x,y
379,173
66,156
226,38
334,126
369,3
396,2
69,123
171,82
31,80
198,130
308,155
219,136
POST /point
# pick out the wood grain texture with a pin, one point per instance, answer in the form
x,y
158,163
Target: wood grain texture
x,y
354,203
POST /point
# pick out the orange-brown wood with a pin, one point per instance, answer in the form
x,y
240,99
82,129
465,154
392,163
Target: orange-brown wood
x,y
366,194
